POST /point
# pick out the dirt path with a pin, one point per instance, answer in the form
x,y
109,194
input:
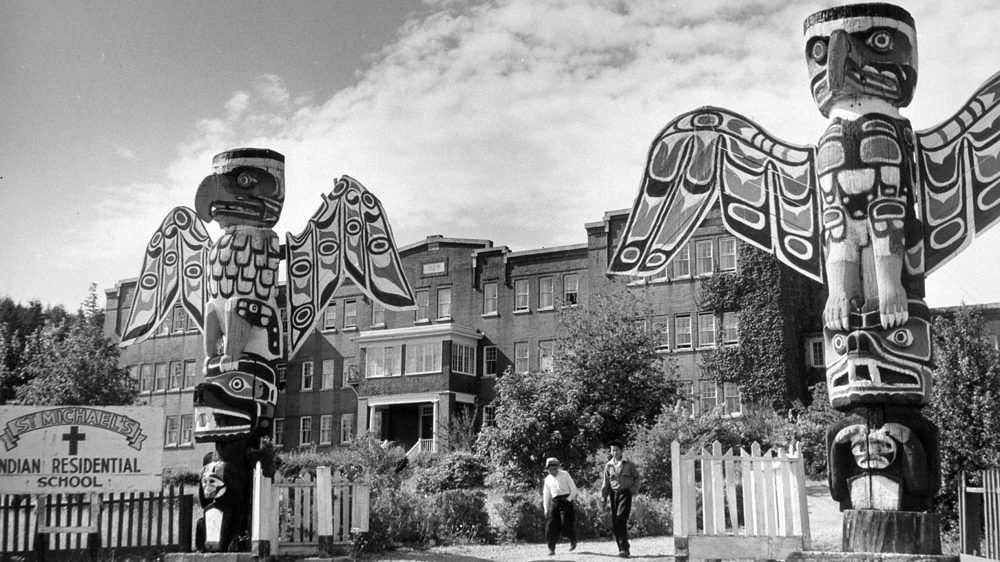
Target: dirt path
x,y
824,522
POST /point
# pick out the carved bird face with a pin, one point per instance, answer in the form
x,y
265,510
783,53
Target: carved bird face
x,y
248,187
861,51
235,403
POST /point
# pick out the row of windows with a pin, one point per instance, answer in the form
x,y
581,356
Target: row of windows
x,y
708,328
704,260
158,377
306,434
705,396
327,377
177,430
522,293
421,358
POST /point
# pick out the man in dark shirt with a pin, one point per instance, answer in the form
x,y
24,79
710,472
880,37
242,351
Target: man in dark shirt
x,y
620,480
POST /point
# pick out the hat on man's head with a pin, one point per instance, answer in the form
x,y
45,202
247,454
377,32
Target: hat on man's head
x,y
551,461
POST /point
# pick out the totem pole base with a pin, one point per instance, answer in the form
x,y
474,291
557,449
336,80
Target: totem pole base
x,y
900,532
211,557
816,556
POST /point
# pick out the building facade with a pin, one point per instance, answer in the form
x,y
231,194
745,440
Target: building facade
x,y
481,309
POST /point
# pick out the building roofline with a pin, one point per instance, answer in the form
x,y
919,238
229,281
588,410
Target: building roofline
x,y
410,332
439,239
553,249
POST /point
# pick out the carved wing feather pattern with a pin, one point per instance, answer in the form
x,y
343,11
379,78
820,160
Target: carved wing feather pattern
x,y
347,238
765,188
174,268
959,166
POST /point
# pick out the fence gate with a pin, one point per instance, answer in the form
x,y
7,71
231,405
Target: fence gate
x,y
739,505
309,515
979,513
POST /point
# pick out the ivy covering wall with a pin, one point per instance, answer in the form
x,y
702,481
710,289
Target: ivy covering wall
x,y
777,307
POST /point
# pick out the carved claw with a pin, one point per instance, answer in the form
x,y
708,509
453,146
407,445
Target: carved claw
x,y
836,311
892,307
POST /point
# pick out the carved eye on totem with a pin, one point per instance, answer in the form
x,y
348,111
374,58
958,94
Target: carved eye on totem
x,y
902,337
839,343
237,384
246,180
880,41
818,51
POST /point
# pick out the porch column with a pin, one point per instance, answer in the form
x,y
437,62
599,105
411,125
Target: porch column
x,y
364,420
435,426
442,417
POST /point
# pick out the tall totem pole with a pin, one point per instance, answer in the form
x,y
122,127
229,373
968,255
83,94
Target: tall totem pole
x,y
870,210
230,290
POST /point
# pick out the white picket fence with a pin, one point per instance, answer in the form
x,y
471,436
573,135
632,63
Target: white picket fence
x,y
742,505
309,515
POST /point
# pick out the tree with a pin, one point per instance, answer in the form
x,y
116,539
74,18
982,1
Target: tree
x,y
20,326
69,361
607,346
964,401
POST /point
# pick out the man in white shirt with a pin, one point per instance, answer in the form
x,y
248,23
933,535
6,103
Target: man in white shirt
x,y
558,493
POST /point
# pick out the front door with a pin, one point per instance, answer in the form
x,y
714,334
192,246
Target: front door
x,y
427,421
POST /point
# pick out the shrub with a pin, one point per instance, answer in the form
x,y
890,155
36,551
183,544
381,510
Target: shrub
x,y
593,520
457,516
395,517
650,517
455,471
520,517
810,427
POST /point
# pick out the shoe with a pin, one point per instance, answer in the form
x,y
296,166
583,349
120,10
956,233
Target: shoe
x,y
624,554
572,546
552,552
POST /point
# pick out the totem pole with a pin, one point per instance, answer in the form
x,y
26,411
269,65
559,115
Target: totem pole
x,y
871,210
230,291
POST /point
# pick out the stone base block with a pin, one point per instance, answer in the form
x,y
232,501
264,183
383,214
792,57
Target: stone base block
x,y
208,557
819,556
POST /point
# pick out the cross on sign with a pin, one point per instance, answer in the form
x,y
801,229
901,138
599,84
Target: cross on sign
x,y
74,437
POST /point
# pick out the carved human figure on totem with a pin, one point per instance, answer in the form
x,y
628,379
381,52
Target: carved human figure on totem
x,y
230,291
870,210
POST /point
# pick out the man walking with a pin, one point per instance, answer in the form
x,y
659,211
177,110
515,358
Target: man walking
x,y
558,493
620,480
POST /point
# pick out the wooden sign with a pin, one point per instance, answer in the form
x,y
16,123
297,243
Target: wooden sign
x,y
70,449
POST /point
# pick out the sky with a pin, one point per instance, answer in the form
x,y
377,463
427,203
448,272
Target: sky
x,y
516,121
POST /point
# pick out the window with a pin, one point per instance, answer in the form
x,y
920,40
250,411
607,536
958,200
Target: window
x,y
378,314
190,373
706,329
423,358
661,275
192,326
546,350
489,415
170,431
703,257
330,317
423,303
545,301
731,395
180,319
350,370
682,331
682,262
727,254
145,377
685,389
521,295
133,375
571,289
490,360
521,357
641,325
187,423
329,368
444,303
489,298
664,335
463,359
346,427
305,431
161,377
164,327
279,432
709,392
325,429
176,374
282,377
815,353
730,328
382,361
307,376
350,314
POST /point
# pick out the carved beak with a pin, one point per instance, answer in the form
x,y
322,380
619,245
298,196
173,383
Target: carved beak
x,y
211,189
837,55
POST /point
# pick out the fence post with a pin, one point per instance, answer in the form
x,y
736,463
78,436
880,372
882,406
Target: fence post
x,y
324,510
185,520
262,516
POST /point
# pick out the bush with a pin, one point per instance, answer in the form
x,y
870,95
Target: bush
x,y
458,516
651,517
521,518
455,471
810,427
395,517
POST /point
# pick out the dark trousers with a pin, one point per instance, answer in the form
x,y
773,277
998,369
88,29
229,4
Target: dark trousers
x,y
621,507
560,519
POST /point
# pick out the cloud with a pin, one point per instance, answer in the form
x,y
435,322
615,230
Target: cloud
x,y
521,120
124,152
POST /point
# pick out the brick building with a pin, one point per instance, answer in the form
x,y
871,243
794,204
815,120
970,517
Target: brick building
x,y
481,309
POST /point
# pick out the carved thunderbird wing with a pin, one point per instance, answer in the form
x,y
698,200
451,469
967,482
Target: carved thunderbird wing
x,y
173,269
347,238
765,188
959,163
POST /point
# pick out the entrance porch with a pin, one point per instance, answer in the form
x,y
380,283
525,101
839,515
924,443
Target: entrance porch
x,y
418,422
